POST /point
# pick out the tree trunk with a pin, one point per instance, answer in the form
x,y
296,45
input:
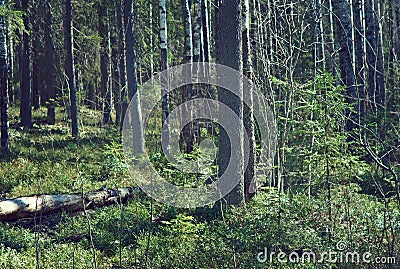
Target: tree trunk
x,y
187,136
343,36
359,53
206,31
50,71
122,61
380,65
26,69
250,184
4,145
319,50
10,55
371,54
197,57
69,67
330,47
35,57
115,45
197,31
164,66
229,53
104,62
91,96
394,51
135,110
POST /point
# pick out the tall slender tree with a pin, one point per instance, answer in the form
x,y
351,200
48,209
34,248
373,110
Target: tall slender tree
x,y
3,82
135,112
122,60
343,36
197,57
104,61
197,31
187,135
319,51
374,51
35,53
10,55
250,185
206,30
69,67
228,42
380,66
330,46
115,55
26,71
49,79
164,66
359,53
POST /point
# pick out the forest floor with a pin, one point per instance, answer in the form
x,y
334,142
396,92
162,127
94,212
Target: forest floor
x,y
146,234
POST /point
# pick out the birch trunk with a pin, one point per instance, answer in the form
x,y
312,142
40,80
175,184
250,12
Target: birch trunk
x,y
164,66
135,110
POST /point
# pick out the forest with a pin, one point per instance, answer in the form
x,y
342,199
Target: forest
x,y
200,134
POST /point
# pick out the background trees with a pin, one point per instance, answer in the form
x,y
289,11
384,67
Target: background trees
x,y
111,51
329,70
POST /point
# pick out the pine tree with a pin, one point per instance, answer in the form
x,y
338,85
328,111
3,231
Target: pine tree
x,y
69,67
26,71
3,83
229,53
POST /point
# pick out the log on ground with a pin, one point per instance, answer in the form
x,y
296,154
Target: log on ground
x,y
38,205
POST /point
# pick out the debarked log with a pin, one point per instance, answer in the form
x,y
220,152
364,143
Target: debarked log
x,y
38,205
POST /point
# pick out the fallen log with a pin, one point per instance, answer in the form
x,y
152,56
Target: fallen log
x,y
38,205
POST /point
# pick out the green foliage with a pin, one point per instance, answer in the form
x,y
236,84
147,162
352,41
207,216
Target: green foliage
x,y
14,17
317,140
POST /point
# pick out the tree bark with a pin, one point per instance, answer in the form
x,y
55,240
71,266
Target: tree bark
x,y
4,145
375,80
104,62
206,31
122,60
115,45
250,184
228,44
359,53
187,136
343,36
330,47
135,110
319,50
50,70
164,66
26,69
197,31
69,68
10,55
380,79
